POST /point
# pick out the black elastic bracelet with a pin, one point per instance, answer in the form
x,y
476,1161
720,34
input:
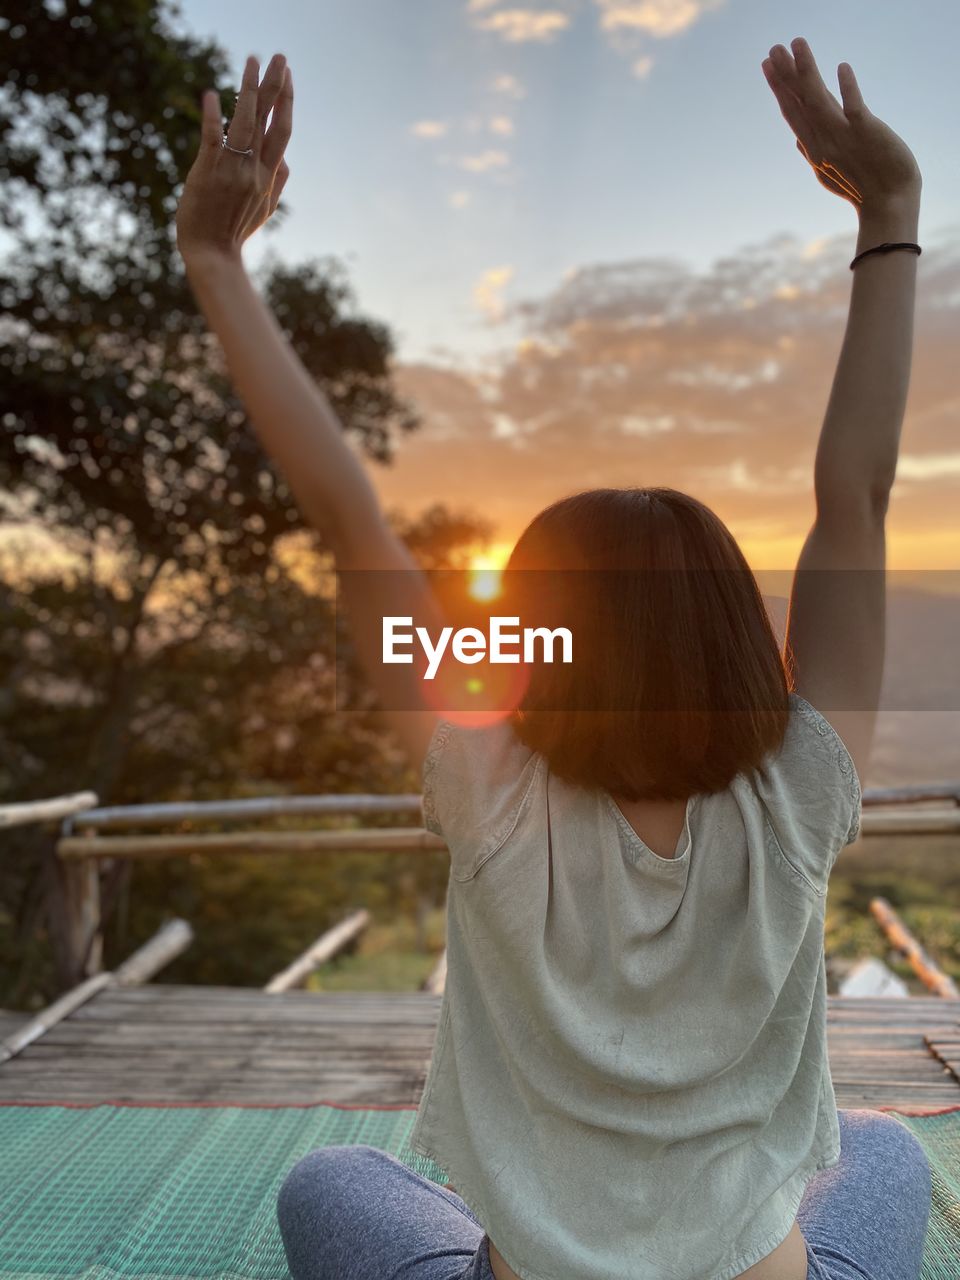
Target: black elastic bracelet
x,y
886,248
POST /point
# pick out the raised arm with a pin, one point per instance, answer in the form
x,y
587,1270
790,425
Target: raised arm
x,y
835,627
228,194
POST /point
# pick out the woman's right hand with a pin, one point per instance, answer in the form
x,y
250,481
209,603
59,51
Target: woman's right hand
x,y
227,196
854,154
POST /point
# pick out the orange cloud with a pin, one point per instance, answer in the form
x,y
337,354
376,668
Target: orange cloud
x,y
648,372
488,291
518,26
659,18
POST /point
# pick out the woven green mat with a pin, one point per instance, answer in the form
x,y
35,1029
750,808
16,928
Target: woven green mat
x,y
178,1193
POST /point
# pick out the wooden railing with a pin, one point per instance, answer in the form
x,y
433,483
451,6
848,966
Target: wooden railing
x,y
83,846
36,811
88,838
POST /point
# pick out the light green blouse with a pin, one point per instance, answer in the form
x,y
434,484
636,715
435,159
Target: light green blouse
x,y
630,1079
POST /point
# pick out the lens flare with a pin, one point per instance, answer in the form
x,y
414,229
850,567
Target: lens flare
x,y
483,695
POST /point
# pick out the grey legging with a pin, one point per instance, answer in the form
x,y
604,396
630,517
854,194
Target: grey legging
x,y
358,1213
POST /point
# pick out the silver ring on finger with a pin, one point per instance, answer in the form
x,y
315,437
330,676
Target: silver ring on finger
x,y
237,151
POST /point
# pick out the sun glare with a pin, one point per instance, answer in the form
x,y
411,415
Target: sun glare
x,y
486,570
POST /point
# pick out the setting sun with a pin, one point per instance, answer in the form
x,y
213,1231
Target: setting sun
x,y
486,569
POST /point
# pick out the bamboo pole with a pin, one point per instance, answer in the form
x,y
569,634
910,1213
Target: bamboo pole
x,y
166,943
256,807
18,815
900,937
52,1014
118,817
912,795
386,839
326,946
390,839
910,821
80,879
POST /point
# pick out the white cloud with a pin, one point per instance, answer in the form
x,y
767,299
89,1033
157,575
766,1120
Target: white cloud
x,y
502,125
429,128
929,466
735,475
640,424
485,161
815,247
509,86
517,26
642,66
458,199
658,18
488,292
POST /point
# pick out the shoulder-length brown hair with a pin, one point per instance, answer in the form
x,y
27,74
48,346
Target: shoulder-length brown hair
x,y
676,683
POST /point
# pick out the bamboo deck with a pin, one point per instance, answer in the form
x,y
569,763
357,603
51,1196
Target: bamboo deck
x,y
163,1043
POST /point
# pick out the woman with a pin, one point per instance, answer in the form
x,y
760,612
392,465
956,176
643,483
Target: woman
x,y
629,1080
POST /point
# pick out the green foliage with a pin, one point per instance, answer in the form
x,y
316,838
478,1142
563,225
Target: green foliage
x,y
98,121
388,958
253,914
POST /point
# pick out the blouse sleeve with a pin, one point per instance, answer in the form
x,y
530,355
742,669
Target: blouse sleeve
x,y
811,793
476,782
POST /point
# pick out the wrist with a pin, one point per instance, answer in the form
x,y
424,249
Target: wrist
x,y
207,260
894,218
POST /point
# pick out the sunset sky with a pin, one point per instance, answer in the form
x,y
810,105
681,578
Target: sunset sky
x,y
602,257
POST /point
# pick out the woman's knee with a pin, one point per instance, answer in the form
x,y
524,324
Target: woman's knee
x,y
317,1184
889,1144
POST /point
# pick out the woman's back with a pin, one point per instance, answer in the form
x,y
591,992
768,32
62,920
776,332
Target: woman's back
x,y
630,1068
659,824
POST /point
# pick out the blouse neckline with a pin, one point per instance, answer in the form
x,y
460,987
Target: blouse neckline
x,y
684,841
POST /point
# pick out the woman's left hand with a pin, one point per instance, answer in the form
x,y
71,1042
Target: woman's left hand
x,y
227,196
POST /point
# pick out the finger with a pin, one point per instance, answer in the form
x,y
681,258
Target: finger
x,y
281,125
785,66
853,103
790,105
283,173
812,85
211,122
270,87
242,126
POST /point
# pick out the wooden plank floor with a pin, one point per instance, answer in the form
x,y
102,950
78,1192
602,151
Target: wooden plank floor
x,y
218,1044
